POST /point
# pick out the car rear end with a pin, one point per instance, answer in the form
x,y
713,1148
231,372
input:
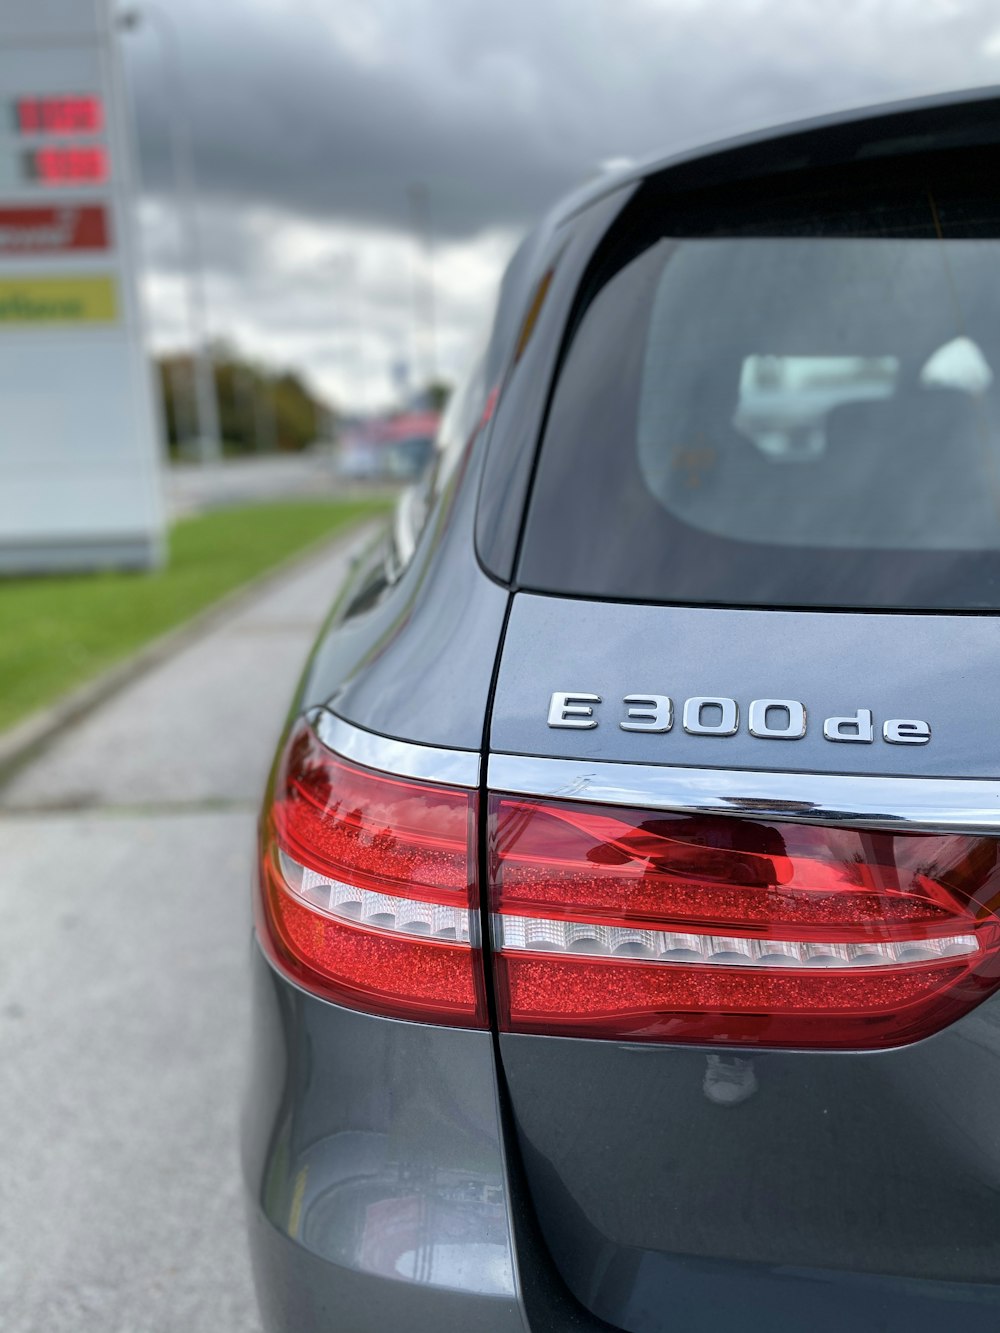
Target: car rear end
x,y
667,1000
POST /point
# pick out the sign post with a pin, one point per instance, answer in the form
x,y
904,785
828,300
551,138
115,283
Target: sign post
x,y
80,470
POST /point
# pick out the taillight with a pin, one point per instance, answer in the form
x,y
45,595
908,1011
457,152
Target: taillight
x,y
643,925
368,887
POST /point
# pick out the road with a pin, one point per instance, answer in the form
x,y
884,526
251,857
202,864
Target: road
x,y
127,852
191,487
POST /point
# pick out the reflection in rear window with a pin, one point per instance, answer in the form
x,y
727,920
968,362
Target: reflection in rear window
x,y
836,391
725,400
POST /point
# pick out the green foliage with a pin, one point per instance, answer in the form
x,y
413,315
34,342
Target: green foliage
x,y
437,394
258,412
297,414
57,632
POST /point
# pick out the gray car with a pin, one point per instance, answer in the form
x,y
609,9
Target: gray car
x,y
627,933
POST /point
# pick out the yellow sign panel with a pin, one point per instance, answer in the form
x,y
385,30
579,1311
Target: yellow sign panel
x,y
81,300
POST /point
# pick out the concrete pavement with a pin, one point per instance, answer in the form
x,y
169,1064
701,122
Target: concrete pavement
x,y
126,853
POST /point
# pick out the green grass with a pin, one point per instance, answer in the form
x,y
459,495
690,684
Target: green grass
x,y
56,633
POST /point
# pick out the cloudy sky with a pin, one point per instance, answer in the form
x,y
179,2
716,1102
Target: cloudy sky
x,y
313,119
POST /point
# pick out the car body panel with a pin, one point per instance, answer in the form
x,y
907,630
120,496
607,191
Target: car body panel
x,y
937,668
375,1144
442,616
402,1175
298,1292
837,1163
949,119
848,1191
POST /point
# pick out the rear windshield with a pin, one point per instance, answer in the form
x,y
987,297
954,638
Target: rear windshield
x,y
789,421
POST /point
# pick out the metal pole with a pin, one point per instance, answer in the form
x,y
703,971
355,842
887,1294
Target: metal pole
x,y
347,302
256,410
419,197
265,421
359,328
182,157
180,382
243,402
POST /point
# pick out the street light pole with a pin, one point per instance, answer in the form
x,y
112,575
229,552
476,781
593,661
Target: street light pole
x,y
350,304
419,198
206,406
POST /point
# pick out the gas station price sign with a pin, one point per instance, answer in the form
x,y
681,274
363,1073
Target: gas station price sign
x,y
80,484
63,114
46,119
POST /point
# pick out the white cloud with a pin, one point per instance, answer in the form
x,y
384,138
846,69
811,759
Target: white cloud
x,y
311,120
336,300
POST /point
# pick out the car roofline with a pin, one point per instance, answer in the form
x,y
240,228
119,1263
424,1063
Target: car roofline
x,y
865,131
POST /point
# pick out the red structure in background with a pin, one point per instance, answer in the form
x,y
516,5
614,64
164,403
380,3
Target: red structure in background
x,y
405,426
394,448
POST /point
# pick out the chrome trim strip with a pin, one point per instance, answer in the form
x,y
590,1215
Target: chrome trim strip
x,y
932,805
404,759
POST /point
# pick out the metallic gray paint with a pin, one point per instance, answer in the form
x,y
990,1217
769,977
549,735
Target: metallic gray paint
x,y
408,1117
665,1211
300,1293
375,1145
416,663
661,1209
938,667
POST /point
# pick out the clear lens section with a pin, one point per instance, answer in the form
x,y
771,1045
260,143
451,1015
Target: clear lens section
x,y
376,911
535,934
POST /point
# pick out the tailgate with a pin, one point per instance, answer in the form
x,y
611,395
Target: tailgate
x,y
692,1185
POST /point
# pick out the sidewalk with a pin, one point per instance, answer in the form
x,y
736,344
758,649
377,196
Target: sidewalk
x,y
127,851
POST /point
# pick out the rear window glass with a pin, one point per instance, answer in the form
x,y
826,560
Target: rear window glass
x,y
785,421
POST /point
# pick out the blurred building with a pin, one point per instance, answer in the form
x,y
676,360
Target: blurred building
x,y
395,448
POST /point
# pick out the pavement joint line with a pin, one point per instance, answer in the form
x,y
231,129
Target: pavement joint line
x,y
209,805
28,739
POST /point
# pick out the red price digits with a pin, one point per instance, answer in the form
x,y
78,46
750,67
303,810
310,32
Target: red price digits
x,y
59,115
64,166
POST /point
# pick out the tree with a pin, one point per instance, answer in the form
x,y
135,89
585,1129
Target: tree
x,y
259,411
437,394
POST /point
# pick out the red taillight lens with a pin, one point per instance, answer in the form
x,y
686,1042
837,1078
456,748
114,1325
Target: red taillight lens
x,y
643,925
368,887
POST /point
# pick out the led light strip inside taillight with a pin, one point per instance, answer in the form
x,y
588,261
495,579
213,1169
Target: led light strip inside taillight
x,y
372,910
589,939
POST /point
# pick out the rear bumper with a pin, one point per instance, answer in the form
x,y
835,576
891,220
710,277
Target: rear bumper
x,y
376,1177
383,1195
299,1292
